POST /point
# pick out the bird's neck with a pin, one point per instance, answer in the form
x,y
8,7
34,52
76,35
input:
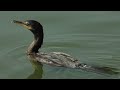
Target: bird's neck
x,y
36,44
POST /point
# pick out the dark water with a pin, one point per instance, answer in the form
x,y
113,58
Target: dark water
x,y
90,36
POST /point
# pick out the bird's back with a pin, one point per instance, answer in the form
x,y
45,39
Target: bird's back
x,y
56,59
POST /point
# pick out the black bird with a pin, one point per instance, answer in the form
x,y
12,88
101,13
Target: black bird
x,y
53,58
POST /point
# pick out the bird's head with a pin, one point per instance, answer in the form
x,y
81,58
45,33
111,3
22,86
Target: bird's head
x,y
31,25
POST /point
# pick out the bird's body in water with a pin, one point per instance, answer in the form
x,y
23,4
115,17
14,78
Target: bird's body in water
x,y
53,58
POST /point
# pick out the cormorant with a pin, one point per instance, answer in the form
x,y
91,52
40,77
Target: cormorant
x,y
53,58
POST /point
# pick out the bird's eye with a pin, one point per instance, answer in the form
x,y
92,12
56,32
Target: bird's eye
x,y
27,23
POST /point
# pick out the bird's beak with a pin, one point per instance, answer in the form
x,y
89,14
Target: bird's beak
x,y
22,24
18,22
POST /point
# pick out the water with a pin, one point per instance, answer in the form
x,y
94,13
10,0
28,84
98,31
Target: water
x,y
93,37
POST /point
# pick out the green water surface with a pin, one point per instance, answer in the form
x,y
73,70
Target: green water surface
x,y
93,37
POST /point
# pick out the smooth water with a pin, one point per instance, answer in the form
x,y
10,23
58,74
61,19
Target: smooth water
x,y
93,37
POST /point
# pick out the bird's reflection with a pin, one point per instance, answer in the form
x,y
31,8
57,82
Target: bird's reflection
x,y
38,70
